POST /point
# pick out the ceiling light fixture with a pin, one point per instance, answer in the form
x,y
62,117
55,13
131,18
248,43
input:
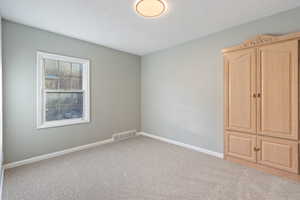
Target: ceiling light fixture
x,y
150,8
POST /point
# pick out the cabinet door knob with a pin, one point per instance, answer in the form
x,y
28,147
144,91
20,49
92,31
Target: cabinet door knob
x,y
254,95
256,149
258,95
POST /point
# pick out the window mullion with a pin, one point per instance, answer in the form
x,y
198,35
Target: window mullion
x,y
44,109
64,91
59,74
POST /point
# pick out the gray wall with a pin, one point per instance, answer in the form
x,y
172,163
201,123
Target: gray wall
x,y
115,92
182,87
1,106
181,98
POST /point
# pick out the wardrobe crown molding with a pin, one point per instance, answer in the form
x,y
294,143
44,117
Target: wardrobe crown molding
x,y
261,40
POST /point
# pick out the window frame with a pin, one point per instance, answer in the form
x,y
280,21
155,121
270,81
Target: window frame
x,y
41,91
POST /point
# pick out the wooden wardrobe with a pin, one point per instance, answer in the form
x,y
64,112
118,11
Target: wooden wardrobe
x,y
262,104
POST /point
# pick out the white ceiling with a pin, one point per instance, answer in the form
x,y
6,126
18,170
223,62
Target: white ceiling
x,y
114,23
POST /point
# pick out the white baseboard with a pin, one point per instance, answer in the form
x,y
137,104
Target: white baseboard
x,y
2,174
55,154
202,150
88,146
1,183
58,153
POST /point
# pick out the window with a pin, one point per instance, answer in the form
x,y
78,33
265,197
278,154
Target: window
x,y
63,90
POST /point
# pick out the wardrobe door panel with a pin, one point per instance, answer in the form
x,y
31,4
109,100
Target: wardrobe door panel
x,y
240,145
278,86
278,153
240,86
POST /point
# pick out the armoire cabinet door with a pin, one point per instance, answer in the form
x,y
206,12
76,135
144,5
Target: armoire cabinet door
x,y
278,85
240,86
240,145
278,153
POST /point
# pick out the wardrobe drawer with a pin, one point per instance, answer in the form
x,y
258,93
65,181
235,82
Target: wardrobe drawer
x,y
278,153
240,145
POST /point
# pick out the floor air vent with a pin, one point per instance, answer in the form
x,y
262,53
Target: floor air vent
x,y
124,135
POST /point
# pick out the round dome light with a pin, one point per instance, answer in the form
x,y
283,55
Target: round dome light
x,y
150,8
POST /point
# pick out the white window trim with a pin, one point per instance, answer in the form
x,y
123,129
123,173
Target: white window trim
x,y
40,91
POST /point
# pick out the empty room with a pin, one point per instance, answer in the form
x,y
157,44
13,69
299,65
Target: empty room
x,y
149,100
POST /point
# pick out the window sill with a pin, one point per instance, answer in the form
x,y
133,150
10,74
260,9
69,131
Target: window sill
x,y
61,123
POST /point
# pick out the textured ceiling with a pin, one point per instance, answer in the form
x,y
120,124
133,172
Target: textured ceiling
x,y
114,23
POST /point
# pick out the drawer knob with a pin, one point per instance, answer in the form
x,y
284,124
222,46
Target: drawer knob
x,y
256,149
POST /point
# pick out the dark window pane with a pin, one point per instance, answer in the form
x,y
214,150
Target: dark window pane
x,y
51,74
66,98
51,84
65,69
76,81
51,67
66,111
61,106
65,75
76,70
52,113
52,99
77,111
78,98
65,83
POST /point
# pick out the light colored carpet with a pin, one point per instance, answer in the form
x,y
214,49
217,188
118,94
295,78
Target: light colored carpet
x,y
143,169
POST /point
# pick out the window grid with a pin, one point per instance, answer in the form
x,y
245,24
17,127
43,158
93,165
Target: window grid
x,y
73,113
